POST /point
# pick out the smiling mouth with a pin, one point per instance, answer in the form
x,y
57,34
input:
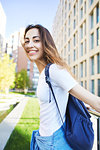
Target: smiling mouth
x,y
32,52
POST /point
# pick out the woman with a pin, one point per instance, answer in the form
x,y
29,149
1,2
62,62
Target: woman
x,y
40,48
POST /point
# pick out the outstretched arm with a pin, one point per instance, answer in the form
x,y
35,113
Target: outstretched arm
x,y
84,95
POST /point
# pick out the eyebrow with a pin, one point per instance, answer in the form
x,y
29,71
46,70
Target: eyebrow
x,y
32,37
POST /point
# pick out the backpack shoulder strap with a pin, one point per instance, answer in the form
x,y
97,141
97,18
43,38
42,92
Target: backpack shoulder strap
x,y
47,78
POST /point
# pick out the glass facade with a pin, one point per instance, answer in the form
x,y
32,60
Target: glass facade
x,y
92,20
81,83
85,68
68,46
91,1
85,7
81,1
92,66
81,32
81,49
74,40
82,69
98,63
85,84
74,55
97,13
97,36
74,10
85,47
92,40
69,59
92,86
98,87
81,13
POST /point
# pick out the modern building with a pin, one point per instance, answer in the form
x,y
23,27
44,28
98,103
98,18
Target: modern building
x,y
35,76
76,32
16,51
2,28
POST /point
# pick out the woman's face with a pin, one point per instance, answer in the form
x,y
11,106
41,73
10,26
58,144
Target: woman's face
x,y
33,45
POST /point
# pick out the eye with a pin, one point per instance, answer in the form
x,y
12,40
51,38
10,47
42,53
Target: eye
x,y
26,42
36,41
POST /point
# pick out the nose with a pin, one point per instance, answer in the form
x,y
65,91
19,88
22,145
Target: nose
x,y
31,44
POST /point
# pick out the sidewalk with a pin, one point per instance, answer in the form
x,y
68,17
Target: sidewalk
x,y
9,123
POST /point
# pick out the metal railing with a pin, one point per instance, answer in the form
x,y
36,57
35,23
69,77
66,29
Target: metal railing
x,y
97,115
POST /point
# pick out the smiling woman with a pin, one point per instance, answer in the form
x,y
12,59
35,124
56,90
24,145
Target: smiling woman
x,y
40,48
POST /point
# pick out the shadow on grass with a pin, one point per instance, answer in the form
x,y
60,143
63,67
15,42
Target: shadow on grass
x,y
21,137
18,141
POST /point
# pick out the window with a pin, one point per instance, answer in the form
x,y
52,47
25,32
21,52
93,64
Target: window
x,y
69,20
65,15
92,86
92,65
69,6
97,36
85,7
74,55
65,5
65,38
74,10
97,13
81,83
81,32
74,70
98,87
65,27
92,20
28,72
85,84
69,46
69,32
64,51
92,40
81,1
85,68
85,28
74,41
28,65
98,63
81,13
68,59
91,1
82,69
85,47
81,49
74,24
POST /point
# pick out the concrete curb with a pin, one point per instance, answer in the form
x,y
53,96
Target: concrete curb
x,y
9,123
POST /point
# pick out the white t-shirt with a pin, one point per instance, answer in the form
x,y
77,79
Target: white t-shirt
x,y
62,82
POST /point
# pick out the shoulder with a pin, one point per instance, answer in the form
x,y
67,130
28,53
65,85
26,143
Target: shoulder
x,y
57,69
57,72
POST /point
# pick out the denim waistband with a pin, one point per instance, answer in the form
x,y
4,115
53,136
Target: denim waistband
x,y
48,142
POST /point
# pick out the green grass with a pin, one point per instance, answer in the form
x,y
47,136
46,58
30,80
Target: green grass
x,y
29,121
31,93
4,113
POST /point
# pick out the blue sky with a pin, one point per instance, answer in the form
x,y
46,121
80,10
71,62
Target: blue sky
x,y
20,13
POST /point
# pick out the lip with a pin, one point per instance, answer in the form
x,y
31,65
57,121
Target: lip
x,y
33,52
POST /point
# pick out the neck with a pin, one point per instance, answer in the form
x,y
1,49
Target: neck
x,y
40,65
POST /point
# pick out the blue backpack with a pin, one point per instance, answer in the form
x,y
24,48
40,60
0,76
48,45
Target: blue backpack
x,y
79,131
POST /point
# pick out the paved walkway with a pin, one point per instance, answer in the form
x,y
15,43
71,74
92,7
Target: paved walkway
x,y
9,123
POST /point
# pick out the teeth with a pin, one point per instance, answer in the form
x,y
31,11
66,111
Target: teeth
x,y
32,51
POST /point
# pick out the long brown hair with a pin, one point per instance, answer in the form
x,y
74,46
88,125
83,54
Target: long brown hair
x,y
51,54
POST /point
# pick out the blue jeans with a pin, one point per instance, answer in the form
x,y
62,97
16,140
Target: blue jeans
x,y
57,141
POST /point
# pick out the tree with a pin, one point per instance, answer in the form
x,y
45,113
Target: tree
x,y
7,72
22,80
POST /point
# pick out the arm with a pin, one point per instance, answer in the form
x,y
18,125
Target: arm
x,y
79,92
